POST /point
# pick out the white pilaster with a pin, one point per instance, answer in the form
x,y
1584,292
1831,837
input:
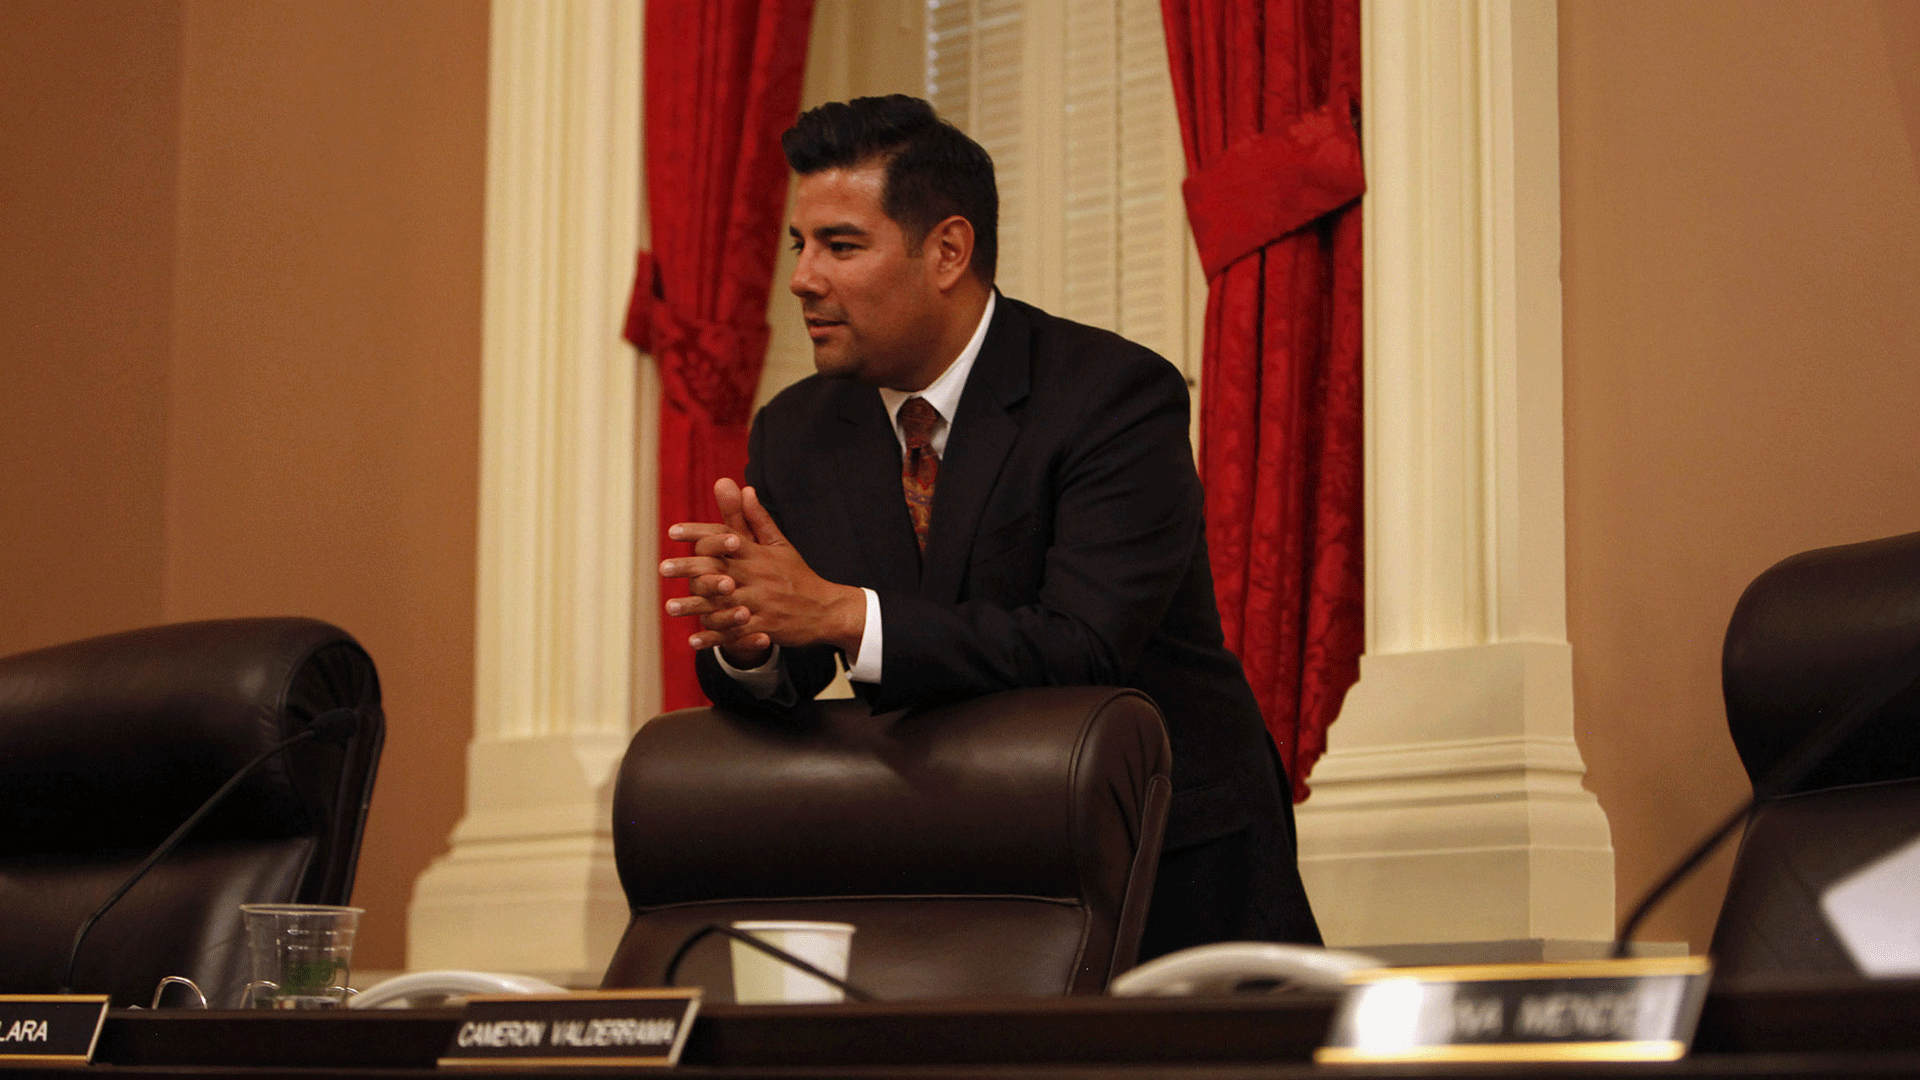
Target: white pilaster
x,y
1450,808
529,884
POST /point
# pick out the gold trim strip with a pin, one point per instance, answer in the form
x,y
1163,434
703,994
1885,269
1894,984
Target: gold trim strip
x,y
1646,1050
80,1059
1544,969
680,993
55,999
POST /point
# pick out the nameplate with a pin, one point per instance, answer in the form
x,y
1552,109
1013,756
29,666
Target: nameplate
x,y
1602,1010
623,1028
50,1027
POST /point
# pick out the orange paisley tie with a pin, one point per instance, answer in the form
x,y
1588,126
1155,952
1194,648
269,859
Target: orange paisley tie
x,y
922,465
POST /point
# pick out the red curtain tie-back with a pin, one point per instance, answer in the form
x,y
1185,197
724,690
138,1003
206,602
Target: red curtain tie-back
x,y
704,364
722,82
1268,184
1266,91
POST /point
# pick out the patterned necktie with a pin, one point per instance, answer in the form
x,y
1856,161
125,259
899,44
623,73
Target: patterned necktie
x,y
922,465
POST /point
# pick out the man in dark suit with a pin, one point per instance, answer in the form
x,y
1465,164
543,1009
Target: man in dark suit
x,y
972,495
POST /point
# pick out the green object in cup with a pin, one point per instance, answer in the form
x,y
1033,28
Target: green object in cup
x,y
313,976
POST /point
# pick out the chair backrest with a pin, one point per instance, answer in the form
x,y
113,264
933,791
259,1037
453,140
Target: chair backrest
x,y
1771,925
1001,846
1817,635
108,744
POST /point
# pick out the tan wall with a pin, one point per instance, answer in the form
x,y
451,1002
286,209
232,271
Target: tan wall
x,y
325,406
88,107
302,407
1741,220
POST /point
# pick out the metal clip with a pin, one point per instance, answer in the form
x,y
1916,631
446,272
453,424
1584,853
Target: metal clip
x,y
160,989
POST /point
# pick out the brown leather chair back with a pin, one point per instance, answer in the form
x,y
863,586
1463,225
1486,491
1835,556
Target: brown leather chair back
x,y
108,744
1819,634
1002,846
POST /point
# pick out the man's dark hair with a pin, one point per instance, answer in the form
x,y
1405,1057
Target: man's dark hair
x,y
933,171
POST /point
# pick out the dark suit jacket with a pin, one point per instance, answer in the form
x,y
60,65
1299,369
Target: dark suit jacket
x,y
1066,547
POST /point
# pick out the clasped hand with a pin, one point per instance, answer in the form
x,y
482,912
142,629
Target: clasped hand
x,y
751,590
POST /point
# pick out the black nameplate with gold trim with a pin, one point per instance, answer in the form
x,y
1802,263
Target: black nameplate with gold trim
x,y
50,1027
1601,1010
624,1028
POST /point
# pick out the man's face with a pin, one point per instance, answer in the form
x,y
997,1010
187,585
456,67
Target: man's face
x,y
871,307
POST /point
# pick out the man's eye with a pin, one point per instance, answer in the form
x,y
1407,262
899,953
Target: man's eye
x,y
841,247
796,245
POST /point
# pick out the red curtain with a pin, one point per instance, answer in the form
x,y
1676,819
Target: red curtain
x,y
1268,94
722,82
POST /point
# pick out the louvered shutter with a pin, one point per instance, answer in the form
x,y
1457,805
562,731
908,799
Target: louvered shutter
x,y
1073,101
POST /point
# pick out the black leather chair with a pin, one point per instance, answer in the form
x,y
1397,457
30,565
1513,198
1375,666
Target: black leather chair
x,y
108,744
1826,633
1002,846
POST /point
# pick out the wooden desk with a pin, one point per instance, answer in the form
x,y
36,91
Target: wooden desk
x,y
1805,1031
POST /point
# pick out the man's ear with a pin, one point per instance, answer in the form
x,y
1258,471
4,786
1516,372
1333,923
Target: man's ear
x,y
949,246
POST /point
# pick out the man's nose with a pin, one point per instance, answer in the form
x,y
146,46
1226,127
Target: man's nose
x,y
805,282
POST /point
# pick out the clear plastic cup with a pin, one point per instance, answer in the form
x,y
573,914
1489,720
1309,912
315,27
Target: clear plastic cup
x,y
302,955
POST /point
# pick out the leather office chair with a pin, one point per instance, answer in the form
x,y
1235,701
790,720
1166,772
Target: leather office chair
x,y
108,744
1826,632
1002,846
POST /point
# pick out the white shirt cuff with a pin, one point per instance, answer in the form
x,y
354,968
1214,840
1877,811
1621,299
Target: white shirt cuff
x,y
866,666
762,682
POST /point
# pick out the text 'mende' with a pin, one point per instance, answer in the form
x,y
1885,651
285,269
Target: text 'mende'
x,y
1601,1010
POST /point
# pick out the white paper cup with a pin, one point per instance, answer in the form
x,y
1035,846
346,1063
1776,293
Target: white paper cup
x,y
759,979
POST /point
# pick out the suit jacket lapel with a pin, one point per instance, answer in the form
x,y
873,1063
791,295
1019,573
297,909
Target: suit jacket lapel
x,y
982,433
866,457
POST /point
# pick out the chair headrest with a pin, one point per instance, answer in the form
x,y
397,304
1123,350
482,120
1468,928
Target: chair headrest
x,y
1013,793
1809,635
113,741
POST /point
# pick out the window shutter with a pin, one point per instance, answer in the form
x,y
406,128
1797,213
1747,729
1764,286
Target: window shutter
x,y
1074,102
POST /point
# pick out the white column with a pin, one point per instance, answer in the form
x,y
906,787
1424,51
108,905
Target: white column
x,y
1450,806
529,884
